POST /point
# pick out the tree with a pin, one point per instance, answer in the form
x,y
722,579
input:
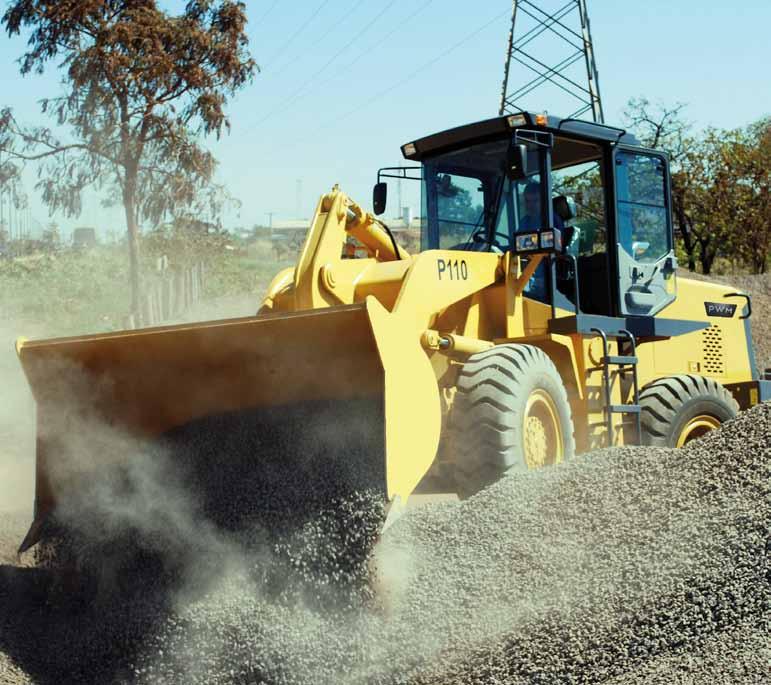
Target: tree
x,y
707,199
142,88
729,201
750,161
11,191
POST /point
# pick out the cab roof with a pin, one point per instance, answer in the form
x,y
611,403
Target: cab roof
x,y
490,129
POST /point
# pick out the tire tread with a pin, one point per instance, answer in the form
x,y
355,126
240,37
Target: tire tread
x,y
484,424
662,402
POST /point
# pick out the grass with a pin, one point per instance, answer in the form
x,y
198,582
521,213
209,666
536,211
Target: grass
x,y
67,293
71,292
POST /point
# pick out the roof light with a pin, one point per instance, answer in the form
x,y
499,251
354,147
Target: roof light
x,y
516,120
409,149
541,119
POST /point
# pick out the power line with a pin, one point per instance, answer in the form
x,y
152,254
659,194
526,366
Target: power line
x,y
321,70
320,39
420,69
294,36
269,10
367,51
413,74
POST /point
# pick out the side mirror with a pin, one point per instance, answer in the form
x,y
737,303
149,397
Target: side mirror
x,y
517,161
565,207
379,197
640,247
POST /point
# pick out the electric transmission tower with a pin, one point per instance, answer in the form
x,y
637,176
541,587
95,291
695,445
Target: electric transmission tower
x,y
545,52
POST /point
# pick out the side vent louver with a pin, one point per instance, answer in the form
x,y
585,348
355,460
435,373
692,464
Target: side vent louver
x,y
712,350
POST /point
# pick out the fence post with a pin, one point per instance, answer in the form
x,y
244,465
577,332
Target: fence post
x,y
157,304
147,310
166,298
179,292
197,282
176,292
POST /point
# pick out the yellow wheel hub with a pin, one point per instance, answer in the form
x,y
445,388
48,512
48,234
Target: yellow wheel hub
x,y
696,427
542,431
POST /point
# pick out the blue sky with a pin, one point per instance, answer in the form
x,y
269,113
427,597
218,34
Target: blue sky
x,y
344,83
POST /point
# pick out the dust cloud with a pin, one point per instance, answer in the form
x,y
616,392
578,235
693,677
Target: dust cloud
x,y
17,427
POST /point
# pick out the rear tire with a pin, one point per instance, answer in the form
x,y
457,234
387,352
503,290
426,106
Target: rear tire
x,y
510,413
682,408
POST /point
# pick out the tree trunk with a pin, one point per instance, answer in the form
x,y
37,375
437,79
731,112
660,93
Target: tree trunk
x,y
685,233
706,257
132,228
690,247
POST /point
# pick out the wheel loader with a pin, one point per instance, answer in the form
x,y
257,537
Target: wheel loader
x,y
543,317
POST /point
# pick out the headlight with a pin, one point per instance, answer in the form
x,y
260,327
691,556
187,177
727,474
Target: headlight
x,y
547,240
527,241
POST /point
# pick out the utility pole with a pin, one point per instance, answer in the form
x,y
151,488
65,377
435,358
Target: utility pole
x,y
270,220
563,36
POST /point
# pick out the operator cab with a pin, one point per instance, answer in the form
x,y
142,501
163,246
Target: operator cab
x,y
586,195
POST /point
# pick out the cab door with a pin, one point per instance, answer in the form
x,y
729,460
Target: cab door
x,y
644,245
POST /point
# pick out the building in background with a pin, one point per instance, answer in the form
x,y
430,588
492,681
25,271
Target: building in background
x,y
84,238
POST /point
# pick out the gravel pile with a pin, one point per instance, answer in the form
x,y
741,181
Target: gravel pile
x,y
739,655
632,565
588,572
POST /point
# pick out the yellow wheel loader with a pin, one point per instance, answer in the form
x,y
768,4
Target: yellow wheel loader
x,y
542,317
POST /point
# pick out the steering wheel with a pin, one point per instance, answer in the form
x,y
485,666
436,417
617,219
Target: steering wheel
x,y
479,237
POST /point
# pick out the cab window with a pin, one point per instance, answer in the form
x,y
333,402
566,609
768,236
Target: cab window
x,y
459,208
584,184
643,214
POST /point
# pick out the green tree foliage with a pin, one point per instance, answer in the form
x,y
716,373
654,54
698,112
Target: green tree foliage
x,y
720,185
141,88
750,159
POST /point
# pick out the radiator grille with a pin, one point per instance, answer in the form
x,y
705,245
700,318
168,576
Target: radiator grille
x,y
712,350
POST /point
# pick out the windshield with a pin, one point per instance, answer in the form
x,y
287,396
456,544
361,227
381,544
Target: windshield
x,y
460,196
470,203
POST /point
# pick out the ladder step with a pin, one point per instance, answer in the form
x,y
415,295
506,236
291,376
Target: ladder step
x,y
620,359
625,408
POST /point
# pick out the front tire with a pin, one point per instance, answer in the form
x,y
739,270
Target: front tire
x,y
679,409
511,413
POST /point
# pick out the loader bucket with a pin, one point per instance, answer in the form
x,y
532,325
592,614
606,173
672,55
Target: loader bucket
x,y
271,411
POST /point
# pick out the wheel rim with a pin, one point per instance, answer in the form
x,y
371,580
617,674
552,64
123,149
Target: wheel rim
x,y
542,430
696,427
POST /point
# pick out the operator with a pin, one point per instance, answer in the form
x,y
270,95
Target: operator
x,y
531,221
